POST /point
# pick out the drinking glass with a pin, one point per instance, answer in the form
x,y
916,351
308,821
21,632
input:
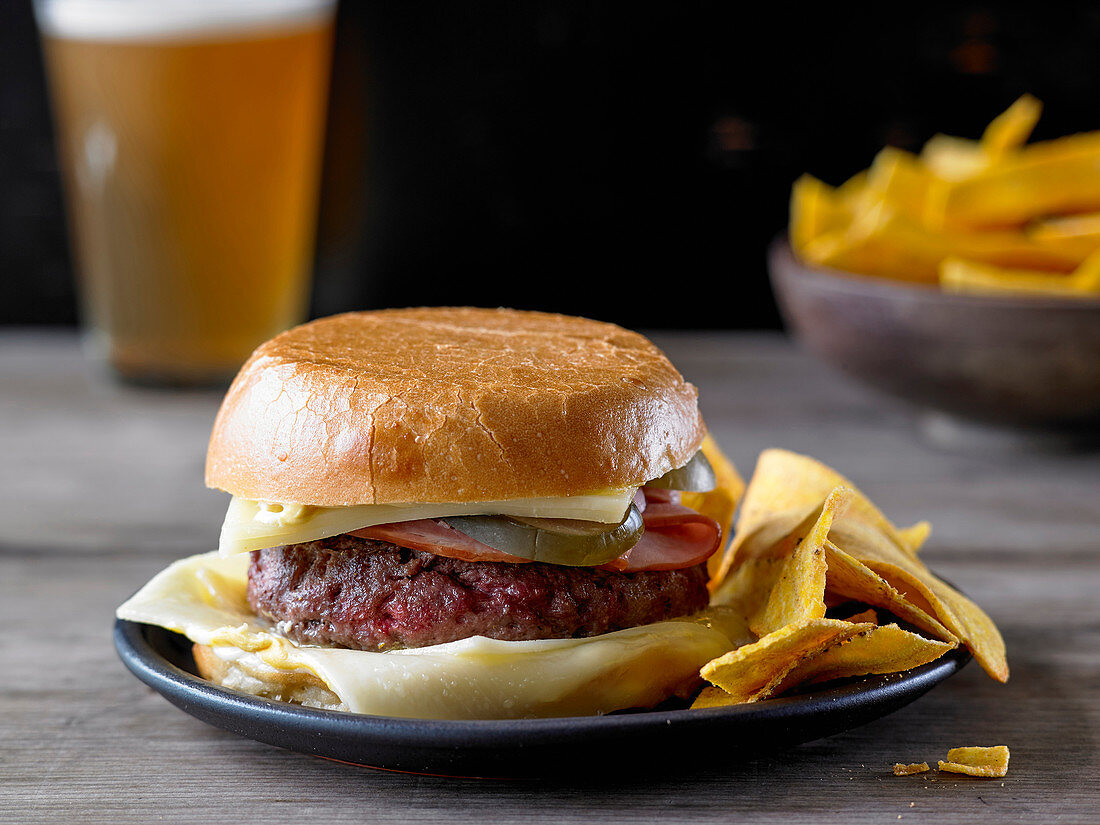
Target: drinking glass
x,y
189,134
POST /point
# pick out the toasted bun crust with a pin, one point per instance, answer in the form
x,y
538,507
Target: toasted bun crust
x,y
450,405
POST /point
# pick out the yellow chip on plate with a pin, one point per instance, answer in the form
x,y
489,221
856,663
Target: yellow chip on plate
x,y
977,761
786,486
852,579
781,581
868,616
913,537
753,672
799,592
807,539
712,697
886,649
926,591
719,503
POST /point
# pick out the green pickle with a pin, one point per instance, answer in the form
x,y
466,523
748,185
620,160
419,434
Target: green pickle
x,y
697,476
569,542
576,543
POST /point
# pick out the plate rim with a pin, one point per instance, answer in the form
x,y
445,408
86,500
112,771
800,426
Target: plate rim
x,y
152,667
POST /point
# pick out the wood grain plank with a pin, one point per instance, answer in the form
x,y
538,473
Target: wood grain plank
x,y
102,487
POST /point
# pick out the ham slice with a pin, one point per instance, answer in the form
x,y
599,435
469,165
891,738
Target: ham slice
x,y
675,537
435,536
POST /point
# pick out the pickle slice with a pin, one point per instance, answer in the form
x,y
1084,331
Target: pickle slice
x,y
697,476
568,542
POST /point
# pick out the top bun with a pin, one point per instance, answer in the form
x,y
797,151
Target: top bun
x,y
450,405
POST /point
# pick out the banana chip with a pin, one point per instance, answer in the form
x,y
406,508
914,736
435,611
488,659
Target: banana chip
x,y
990,216
713,697
953,158
888,242
974,278
1054,177
816,208
899,179
1076,227
1010,130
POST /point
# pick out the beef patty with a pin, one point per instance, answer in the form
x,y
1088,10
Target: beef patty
x,y
372,595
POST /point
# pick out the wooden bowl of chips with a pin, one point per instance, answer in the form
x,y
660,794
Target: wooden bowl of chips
x,y
1017,361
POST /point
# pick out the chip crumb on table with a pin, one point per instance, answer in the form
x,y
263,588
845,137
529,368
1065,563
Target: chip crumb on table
x,y
902,769
977,761
972,761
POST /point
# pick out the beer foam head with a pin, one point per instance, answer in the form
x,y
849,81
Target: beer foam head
x,y
172,19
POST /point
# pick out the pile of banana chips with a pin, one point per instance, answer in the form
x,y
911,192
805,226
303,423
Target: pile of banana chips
x,y
991,216
807,544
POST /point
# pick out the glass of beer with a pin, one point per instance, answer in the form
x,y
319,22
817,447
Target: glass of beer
x,y
190,135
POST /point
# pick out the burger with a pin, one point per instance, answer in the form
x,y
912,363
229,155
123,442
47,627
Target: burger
x,y
454,513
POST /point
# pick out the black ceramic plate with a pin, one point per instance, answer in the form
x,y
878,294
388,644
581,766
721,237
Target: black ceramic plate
x,y
653,740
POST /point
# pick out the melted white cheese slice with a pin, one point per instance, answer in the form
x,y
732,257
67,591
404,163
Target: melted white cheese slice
x,y
253,525
203,597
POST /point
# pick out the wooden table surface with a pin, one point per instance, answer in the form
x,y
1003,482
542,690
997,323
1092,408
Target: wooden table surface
x,y
102,487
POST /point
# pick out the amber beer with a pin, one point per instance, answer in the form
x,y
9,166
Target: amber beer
x,y
190,137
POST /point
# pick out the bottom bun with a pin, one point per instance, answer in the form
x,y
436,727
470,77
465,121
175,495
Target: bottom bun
x,y
204,598
248,673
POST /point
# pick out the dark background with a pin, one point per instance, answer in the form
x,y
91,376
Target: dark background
x,y
629,162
